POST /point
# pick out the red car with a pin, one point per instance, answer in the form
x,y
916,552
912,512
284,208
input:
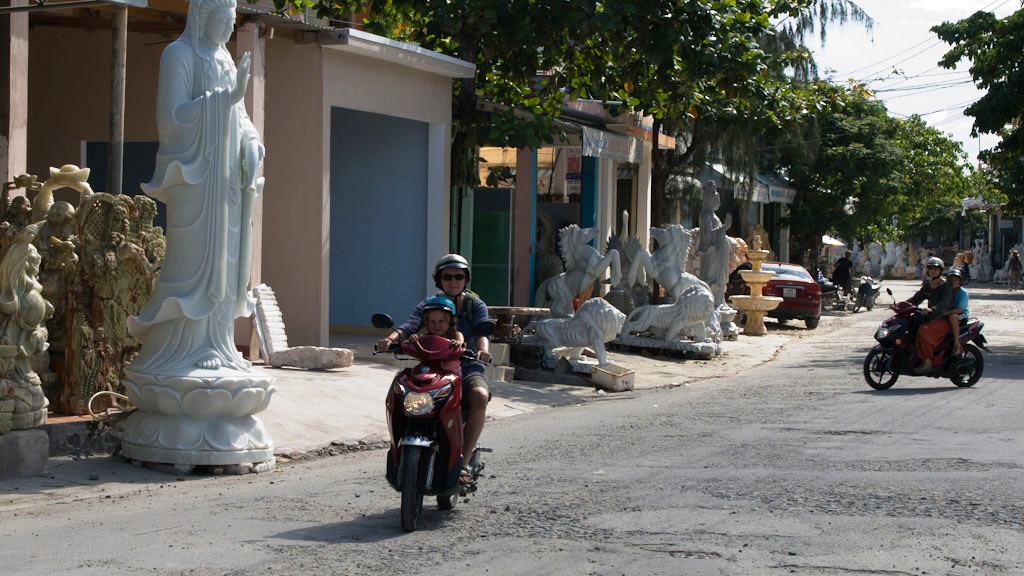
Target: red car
x,y
800,293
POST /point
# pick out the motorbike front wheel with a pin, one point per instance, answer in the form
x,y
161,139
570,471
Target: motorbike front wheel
x,y
859,303
880,368
412,493
966,370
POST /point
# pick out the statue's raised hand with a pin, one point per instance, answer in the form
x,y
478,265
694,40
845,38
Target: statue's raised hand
x,y
242,79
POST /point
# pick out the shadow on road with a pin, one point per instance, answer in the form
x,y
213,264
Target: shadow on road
x,y
911,391
372,528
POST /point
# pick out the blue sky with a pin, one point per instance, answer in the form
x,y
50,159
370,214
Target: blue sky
x,y
899,61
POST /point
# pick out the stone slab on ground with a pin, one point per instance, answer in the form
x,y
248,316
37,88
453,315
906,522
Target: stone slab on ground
x,y
699,350
24,453
312,358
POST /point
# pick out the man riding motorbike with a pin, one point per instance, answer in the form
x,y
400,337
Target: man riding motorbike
x,y
451,274
934,326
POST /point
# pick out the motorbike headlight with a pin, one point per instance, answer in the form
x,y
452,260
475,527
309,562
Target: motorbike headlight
x,y
418,403
882,333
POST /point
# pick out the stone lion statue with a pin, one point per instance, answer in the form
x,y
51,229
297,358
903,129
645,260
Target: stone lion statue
x,y
595,323
692,314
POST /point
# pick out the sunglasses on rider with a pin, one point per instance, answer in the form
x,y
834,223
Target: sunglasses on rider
x,y
451,277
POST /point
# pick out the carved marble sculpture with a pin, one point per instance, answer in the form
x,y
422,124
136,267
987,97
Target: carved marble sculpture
x,y
982,267
108,270
57,251
627,295
196,395
23,314
667,263
583,266
595,323
693,314
714,247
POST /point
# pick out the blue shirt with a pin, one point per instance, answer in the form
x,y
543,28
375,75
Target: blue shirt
x,y
960,300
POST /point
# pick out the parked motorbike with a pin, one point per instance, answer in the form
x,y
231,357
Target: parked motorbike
x,y
832,296
895,353
425,421
867,293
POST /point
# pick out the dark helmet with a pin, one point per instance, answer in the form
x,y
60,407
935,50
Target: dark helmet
x,y
450,261
954,272
439,303
934,261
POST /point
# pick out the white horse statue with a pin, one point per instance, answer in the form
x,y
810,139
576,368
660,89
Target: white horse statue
x,y
583,266
667,264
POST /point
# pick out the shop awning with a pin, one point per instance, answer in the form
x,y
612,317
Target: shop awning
x,y
604,144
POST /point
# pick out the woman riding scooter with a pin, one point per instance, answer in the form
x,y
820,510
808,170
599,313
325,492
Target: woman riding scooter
x,y
935,326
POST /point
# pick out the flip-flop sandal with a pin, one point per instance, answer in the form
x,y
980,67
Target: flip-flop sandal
x,y
465,475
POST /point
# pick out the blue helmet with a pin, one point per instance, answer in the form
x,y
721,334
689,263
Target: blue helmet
x,y
439,303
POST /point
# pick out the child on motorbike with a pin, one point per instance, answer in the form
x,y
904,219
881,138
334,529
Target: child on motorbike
x,y
959,308
934,329
438,320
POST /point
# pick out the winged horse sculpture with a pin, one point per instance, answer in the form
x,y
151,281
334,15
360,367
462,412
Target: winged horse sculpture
x,y
667,263
584,265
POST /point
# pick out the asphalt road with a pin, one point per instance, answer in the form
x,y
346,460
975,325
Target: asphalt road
x,y
794,467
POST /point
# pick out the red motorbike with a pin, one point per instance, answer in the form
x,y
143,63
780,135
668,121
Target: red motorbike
x,y
895,353
425,421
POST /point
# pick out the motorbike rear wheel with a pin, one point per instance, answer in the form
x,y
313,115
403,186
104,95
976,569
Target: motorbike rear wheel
x,y
880,369
412,493
966,371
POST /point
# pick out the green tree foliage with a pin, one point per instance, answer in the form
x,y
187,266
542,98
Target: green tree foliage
x,y
870,175
995,48
677,60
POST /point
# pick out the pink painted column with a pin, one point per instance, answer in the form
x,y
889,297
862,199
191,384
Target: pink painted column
x,y
14,105
523,226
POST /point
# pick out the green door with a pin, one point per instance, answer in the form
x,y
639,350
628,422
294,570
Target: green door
x,y
492,245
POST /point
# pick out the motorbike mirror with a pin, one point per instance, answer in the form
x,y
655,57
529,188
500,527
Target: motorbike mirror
x,y
888,291
484,328
382,321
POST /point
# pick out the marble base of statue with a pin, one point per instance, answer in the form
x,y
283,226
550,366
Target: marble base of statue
x,y
202,418
727,316
698,350
569,360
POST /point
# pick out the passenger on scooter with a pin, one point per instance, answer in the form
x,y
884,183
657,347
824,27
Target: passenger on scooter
x,y
438,320
935,327
438,314
451,275
959,310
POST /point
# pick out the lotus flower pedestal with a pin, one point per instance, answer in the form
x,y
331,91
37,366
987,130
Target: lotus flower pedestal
x,y
203,418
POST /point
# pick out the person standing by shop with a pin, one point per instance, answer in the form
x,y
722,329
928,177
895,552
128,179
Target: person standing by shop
x,y
842,273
